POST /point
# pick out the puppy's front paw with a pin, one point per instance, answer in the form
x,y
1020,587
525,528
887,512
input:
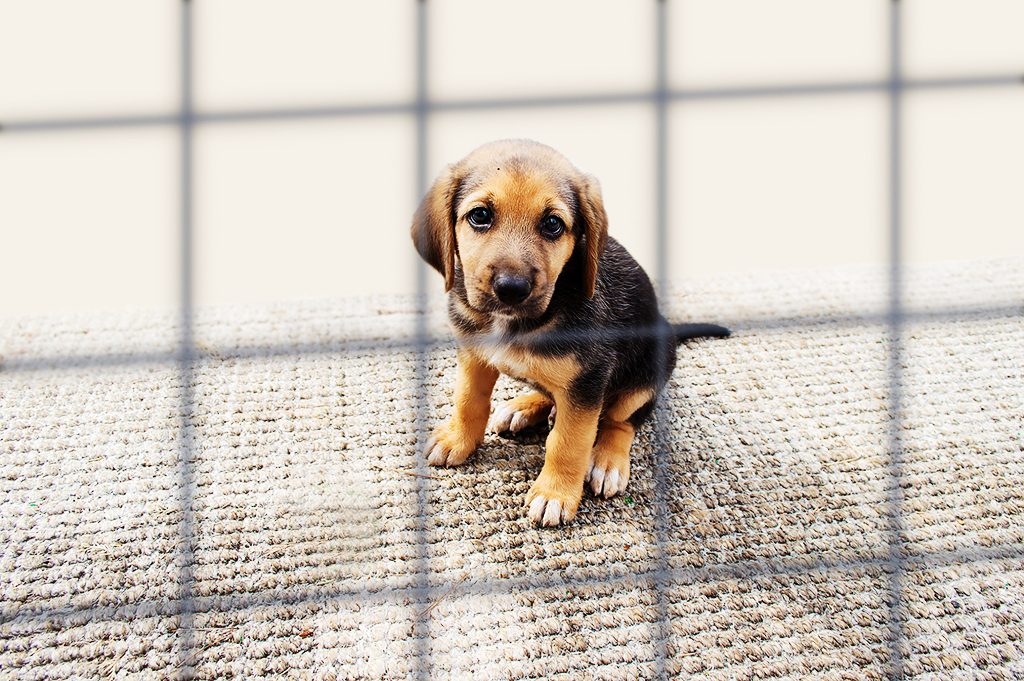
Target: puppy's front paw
x,y
520,413
609,472
448,446
552,502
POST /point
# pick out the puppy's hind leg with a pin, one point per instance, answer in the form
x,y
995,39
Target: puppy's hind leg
x,y
522,412
609,460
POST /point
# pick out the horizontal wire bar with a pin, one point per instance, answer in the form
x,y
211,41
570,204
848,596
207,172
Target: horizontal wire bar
x,y
407,587
90,123
258,115
849,88
506,103
411,344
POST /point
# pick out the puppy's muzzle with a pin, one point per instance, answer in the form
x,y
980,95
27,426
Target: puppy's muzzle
x,y
511,289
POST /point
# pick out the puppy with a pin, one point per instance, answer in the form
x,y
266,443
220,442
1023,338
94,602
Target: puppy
x,y
538,291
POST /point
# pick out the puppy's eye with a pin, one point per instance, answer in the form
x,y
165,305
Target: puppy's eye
x,y
480,218
552,227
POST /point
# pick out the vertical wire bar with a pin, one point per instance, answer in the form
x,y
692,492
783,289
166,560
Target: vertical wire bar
x,y
895,350
186,356
662,457
421,628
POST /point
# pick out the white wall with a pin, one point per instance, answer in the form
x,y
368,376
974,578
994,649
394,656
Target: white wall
x,y
320,208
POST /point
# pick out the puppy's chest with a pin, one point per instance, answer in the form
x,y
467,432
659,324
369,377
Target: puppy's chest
x,y
553,373
514,361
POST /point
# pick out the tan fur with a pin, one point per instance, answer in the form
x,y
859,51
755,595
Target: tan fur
x,y
513,243
534,402
611,452
592,208
534,406
566,461
470,313
553,374
626,405
453,442
541,181
614,439
521,184
431,226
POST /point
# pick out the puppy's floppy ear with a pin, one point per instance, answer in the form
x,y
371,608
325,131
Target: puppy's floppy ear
x,y
594,232
433,225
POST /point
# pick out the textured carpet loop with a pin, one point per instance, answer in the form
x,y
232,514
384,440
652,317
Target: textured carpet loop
x,y
307,549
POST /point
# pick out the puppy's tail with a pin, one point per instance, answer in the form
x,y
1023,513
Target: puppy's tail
x,y
685,332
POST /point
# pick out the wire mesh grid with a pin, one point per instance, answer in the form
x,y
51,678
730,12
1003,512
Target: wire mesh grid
x,y
422,589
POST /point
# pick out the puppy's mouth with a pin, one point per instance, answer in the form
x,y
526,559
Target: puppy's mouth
x,y
531,308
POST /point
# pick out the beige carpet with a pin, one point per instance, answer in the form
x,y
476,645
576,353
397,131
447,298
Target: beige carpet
x,y
308,546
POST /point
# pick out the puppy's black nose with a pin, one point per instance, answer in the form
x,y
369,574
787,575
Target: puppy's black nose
x,y
512,289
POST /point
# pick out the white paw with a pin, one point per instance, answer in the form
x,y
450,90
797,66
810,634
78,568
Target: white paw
x,y
552,500
547,512
607,481
444,450
506,419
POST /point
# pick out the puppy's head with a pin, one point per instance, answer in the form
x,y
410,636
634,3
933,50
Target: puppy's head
x,y
510,216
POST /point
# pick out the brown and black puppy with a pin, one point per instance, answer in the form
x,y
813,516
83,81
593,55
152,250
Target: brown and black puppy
x,y
538,291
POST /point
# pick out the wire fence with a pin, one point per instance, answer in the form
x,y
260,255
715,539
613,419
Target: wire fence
x,y
422,107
